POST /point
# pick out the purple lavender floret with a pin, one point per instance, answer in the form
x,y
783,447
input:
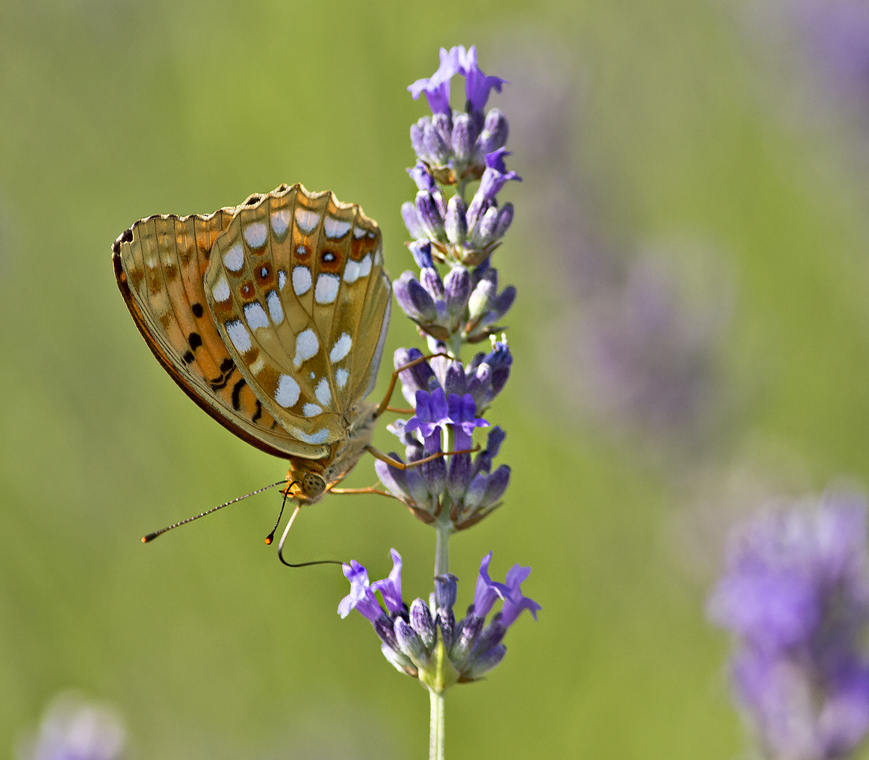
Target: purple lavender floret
x,y
463,484
796,598
454,144
483,378
411,634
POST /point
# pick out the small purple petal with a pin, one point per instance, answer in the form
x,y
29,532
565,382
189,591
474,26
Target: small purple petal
x,y
516,603
424,181
477,84
487,590
390,587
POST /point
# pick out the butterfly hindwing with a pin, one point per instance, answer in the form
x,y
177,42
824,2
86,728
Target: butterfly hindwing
x,y
159,264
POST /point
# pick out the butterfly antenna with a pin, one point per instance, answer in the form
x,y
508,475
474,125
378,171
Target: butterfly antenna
x,y
284,538
152,536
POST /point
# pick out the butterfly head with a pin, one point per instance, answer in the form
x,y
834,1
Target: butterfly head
x,y
303,484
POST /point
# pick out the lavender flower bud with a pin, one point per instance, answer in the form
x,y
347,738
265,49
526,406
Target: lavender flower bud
x,y
497,485
480,301
502,304
446,589
447,622
422,622
420,249
424,181
384,628
463,138
456,222
494,134
466,639
399,660
455,379
432,282
411,220
479,206
505,219
494,441
417,137
413,299
415,378
457,286
409,642
484,232
458,476
475,491
483,663
443,123
435,148
430,216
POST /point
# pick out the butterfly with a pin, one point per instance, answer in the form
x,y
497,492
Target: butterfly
x,y
272,317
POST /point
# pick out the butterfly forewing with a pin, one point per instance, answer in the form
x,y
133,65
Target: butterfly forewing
x,y
159,265
298,295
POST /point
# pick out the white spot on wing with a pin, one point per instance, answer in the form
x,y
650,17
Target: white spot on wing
x,y
321,436
312,410
256,234
351,272
255,316
335,228
301,280
239,335
221,290
307,346
288,391
359,232
276,311
378,256
365,266
323,392
306,221
234,258
341,348
280,221
282,278
327,288
341,376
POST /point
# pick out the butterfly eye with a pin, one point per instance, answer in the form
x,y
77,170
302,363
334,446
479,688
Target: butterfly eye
x,y
313,485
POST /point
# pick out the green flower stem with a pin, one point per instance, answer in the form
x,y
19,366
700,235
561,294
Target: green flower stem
x,y
442,550
436,733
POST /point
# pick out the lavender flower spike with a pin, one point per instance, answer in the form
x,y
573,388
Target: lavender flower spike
x,y
424,639
796,598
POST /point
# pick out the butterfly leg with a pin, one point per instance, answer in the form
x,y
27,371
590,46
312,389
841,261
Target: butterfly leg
x,y
384,405
378,454
369,489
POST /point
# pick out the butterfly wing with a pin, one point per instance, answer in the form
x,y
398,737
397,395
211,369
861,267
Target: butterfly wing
x,y
299,296
159,265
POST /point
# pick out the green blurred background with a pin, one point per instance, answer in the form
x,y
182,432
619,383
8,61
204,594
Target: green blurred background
x,y
111,110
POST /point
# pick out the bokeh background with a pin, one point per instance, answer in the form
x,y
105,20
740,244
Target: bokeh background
x,y
691,336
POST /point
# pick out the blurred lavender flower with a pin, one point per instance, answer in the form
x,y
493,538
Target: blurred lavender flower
x,y
75,729
796,598
424,640
646,353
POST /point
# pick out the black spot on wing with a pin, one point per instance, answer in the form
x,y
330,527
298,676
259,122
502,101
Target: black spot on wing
x,y
236,394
